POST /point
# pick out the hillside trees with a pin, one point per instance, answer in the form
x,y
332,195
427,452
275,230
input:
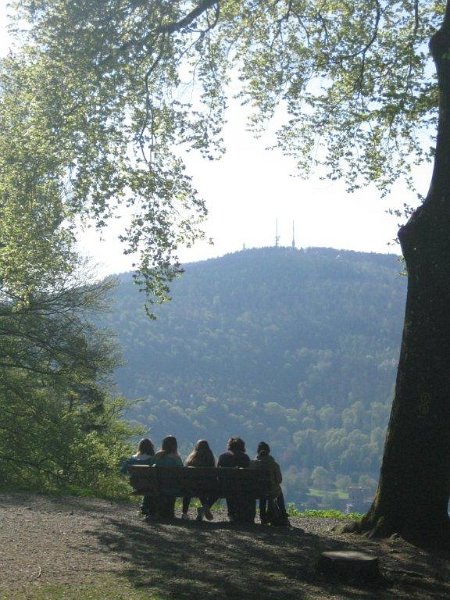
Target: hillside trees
x,y
201,376
355,82
59,428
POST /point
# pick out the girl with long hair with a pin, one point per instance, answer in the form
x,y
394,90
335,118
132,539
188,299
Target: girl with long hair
x,y
168,456
201,456
145,455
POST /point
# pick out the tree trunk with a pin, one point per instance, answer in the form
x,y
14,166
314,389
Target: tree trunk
x,y
414,488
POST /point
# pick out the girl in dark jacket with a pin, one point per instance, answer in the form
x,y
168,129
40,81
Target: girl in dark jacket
x,y
276,513
241,509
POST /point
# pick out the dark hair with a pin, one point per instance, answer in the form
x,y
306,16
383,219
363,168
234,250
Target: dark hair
x,y
201,456
263,449
236,444
169,445
146,446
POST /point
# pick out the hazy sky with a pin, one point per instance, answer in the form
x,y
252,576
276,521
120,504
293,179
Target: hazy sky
x,y
250,189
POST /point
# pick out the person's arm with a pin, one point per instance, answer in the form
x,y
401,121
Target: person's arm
x,y
222,460
124,466
245,460
130,461
278,475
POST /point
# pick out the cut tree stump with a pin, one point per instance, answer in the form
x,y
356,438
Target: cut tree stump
x,y
348,564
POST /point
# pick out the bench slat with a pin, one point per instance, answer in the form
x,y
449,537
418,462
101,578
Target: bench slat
x,y
188,481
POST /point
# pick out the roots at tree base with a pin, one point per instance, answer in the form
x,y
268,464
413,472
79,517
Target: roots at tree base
x,y
376,526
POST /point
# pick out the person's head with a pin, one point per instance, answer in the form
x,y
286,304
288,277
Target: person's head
x,y
201,455
145,446
201,446
263,449
236,444
169,444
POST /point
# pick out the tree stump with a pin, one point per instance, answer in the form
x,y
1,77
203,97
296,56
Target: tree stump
x,y
348,564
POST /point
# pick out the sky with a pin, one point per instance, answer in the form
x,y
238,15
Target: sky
x,y
251,194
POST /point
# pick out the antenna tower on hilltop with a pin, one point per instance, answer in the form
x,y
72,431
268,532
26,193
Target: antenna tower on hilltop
x,y
293,235
277,237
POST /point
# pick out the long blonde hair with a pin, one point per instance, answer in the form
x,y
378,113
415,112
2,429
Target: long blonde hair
x,y
201,456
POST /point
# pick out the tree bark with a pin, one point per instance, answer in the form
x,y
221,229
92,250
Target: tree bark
x,y
414,487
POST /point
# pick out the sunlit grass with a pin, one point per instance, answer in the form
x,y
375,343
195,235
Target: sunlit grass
x,y
316,493
106,587
322,514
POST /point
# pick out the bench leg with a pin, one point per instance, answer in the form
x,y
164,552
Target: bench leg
x,y
166,506
241,509
148,506
186,503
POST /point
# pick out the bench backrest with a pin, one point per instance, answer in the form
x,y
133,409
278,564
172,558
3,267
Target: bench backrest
x,y
188,481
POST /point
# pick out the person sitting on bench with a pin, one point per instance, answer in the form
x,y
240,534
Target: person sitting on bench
x,y
240,509
168,457
272,509
145,455
201,456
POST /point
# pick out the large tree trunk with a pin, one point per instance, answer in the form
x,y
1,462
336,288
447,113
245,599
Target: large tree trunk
x,y
414,488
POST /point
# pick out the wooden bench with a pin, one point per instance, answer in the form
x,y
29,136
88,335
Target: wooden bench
x,y
199,481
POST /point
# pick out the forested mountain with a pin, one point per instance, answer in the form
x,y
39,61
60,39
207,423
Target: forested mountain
x,y
295,347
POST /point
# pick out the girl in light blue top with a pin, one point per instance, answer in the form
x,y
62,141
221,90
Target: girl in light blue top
x,y
145,455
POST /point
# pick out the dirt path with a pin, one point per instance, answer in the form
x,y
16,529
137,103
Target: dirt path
x,y
74,541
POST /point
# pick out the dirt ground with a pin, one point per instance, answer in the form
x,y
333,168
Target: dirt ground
x,y
73,540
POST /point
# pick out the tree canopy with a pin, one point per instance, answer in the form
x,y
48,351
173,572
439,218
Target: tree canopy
x,y
351,79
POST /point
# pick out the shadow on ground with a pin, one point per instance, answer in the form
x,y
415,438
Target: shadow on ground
x,y
77,542
186,560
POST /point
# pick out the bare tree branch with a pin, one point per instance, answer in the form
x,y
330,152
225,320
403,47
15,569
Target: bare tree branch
x,y
189,18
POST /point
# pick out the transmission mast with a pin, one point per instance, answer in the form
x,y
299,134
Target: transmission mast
x,y
277,237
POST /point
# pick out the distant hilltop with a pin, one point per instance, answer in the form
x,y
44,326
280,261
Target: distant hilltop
x,y
290,251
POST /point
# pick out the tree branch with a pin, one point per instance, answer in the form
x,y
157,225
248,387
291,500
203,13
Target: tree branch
x,y
169,28
189,18
369,44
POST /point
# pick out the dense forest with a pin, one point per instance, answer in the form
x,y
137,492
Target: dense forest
x,y
295,347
